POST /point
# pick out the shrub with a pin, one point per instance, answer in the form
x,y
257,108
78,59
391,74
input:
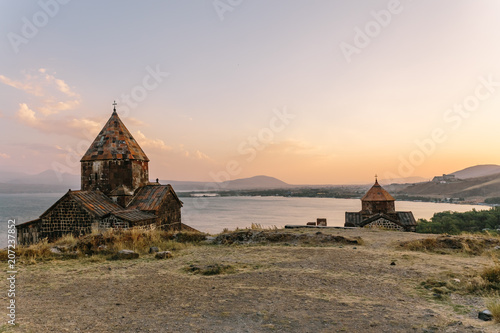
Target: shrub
x,y
494,307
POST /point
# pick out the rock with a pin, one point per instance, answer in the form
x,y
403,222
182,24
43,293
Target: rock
x,y
55,250
102,247
127,254
456,280
163,255
485,315
210,239
497,248
154,249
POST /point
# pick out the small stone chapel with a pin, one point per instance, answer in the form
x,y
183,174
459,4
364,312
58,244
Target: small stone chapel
x,y
115,193
378,211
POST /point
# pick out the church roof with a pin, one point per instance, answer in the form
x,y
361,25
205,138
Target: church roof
x,y
150,197
133,215
95,202
114,142
377,193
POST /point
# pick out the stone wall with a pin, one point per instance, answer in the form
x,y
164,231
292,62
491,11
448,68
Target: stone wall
x,y
106,175
169,213
66,218
113,222
384,224
29,233
374,207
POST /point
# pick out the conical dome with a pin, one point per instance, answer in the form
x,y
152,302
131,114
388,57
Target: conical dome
x,y
377,193
114,142
114,161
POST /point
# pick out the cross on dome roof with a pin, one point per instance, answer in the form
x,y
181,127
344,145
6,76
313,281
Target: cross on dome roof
x,y
114,142
377,193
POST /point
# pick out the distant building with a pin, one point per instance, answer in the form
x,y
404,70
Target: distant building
x,y
444,179
115,193
378,211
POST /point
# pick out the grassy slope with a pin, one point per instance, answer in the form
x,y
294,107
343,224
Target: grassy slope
x,y
271,288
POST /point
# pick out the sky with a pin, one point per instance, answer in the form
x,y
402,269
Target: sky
x,y
310,92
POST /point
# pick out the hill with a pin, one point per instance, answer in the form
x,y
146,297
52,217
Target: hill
x,y
477,188
477,171
257,182
47,181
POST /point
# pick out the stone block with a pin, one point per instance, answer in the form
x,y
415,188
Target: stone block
x,y
127,254
163,255
321,222
485,315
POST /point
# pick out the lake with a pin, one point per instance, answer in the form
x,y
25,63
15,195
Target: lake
x,y
213,214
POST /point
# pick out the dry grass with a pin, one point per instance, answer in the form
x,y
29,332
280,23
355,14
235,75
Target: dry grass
x,y
106,243
261,288
258,226
485,282
494,307
467,244
284,237
211,269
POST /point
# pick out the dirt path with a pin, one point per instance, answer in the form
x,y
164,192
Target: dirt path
x,y
272,289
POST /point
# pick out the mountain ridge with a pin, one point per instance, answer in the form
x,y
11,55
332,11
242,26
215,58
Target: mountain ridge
x,y
475,171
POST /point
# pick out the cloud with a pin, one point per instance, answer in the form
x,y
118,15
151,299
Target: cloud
x,y
27,116
159,145
83,124
55,95
135,122
295,147
27,87
151,143
51,106
201,156
77,127
3,155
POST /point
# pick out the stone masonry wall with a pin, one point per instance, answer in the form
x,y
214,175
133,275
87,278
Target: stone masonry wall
x,y
169,214
106,175
66,218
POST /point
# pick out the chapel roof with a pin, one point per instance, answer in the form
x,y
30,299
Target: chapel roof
x,y
94,202
114,142
150,197
377,193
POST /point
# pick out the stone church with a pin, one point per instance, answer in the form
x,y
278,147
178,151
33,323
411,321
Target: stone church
x,y
115,193
378,211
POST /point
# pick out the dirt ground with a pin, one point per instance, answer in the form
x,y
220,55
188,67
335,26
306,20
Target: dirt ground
x,y
271,288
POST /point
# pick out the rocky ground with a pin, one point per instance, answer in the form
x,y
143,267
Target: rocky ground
x,y
335,281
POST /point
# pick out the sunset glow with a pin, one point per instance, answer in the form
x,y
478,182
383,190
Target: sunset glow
x,y
323,92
